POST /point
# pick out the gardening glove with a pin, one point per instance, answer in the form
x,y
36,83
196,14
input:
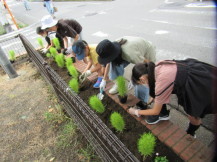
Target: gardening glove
x,y
84,76
44,50
134,111
68,50
102,85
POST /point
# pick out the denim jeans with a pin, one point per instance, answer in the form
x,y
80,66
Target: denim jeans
x,y
49,7
141,91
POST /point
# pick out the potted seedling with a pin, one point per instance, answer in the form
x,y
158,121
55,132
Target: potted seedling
x,y
122,89
40,42
56,43
60,60
74,85
117,121
12,56
96,104
146,144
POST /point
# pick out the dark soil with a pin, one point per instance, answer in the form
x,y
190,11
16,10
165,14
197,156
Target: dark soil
x,y
133,130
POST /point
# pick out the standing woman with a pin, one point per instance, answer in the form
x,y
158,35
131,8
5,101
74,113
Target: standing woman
x,y
48,4
190,79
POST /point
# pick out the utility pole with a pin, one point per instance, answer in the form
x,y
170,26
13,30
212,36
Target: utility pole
x,y
6,6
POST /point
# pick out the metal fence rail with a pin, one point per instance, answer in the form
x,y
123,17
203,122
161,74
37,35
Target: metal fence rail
x,y
103,140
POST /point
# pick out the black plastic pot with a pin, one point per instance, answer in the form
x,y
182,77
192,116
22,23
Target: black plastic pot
x,y
122,99
142,105
12,61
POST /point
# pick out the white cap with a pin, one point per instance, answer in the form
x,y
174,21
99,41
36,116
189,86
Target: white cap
x,y
47,22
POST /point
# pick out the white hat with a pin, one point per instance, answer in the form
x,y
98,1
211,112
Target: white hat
x,y
47,22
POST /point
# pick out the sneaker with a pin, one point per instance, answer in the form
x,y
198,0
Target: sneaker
x,y
154,119
97,84
114,89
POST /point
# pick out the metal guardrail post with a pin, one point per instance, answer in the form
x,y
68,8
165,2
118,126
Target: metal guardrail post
x,y
6,65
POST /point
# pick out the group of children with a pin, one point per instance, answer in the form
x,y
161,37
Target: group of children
x,y
191,80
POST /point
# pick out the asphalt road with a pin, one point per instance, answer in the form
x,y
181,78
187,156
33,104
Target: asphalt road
x,y
179,28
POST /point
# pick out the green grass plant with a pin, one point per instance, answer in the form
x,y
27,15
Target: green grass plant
x,y
40,42
72,71
56,43
122,88
68,62
74,85
146,144
60,60
161,159
117,121
53,51
12,55
96,104
48,55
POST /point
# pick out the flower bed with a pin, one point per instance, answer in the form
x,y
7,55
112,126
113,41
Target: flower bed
x,y
133,129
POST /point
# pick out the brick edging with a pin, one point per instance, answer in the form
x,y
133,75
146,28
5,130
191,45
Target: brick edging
x,y
184,145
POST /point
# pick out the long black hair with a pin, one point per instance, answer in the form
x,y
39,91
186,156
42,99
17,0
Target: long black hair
x,y
145,68
119,59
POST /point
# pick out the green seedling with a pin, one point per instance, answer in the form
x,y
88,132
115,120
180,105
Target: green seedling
x,y
48,55
56,43
40,42
53,51
121,83
74,85
146,144
117,121
60,60
12,55
161,159
68,62
73,71
96,104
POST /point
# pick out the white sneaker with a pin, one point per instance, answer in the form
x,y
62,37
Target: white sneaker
x,y
114,89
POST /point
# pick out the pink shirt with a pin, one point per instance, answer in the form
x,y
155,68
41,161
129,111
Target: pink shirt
x,y
165,74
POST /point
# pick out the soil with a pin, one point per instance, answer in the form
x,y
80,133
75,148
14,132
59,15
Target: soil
x,y
133,129
25,134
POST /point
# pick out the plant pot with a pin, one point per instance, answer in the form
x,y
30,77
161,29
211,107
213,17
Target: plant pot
x,y
12,61
141,105
73,59
122,99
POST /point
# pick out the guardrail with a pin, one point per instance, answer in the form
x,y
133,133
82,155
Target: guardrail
x,y
103,140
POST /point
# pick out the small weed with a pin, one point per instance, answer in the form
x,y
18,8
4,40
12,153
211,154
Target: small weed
x,y
48,55
96,104
86,154
117,121
146,144
74,85
161,159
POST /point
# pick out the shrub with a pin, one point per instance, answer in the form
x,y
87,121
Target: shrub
x,y
53,51
48,55
74,85
73,71
60,60
117,121
146,144
161,159
40,42
56,43
12,55
96,104
68,62
121,83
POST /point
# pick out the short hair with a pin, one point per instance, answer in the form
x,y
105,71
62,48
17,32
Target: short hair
x,y
39,30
